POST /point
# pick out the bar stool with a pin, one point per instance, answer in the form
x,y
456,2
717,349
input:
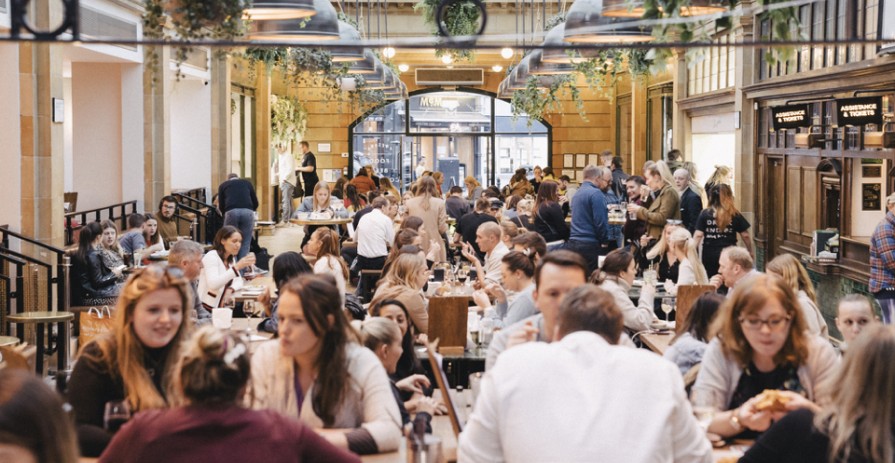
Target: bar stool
x,y
43,322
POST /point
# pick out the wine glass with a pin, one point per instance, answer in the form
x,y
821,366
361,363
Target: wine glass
x,y
250,309
116,413
667,306
704,406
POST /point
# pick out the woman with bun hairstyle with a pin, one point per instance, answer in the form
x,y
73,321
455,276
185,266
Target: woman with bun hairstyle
x,y
617,276
211,424
690,270
517,272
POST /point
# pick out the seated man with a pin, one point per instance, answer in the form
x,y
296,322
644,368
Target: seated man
x,y
628,405
488,238
468,225
168,227
734,265
187,256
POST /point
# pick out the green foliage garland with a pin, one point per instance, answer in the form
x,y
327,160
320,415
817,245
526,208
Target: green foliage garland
x,y
461,18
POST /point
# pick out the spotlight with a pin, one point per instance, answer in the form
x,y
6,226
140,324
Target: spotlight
x,y
507,53
497,68
389,52
446,59
403,67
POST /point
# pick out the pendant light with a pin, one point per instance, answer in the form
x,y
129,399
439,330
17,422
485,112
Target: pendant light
x,y
348,35
584,16
386,83
365,66
537,67
557,54
322,26
264,10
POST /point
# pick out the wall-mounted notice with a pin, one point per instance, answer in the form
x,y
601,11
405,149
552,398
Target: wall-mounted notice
x,y
791,117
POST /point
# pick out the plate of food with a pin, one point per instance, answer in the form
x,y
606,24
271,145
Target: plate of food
x,y
159,255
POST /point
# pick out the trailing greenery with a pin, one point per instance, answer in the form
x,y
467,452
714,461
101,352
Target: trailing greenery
x,y
288,119
461,18
536,101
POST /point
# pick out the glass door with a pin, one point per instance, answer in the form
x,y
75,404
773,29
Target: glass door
x,y
456,156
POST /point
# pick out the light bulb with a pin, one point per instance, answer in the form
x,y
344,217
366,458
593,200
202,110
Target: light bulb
x,y
446,59
389,52
497,68
403,67
507,53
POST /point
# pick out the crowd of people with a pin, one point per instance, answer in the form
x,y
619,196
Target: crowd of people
x,y
548,270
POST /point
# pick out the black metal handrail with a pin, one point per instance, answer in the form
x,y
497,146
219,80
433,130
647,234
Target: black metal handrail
x,y
113,212
197,194
56,265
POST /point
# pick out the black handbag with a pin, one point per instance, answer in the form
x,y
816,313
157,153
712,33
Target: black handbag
x,y
298,191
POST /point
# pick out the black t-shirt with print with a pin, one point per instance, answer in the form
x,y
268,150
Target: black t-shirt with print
x,y
715,237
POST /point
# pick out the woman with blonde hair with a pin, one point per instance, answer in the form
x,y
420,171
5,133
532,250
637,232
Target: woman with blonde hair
x,y
508,231
473,189
109,251
855,426
722,175
324,244
135,362
761,344
656,211
658,255
209,382
429,207
316,371
322,204
787,267
404,282
717,227
690,270
386,187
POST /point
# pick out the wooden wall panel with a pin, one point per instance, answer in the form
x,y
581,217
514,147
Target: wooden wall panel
x,y
809,200
793,212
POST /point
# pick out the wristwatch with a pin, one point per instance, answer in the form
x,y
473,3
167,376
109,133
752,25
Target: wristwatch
x,y
735,420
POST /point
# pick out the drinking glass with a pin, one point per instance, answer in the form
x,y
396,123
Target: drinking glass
x,y
667,306
704,406
650,277
138,258
116,413
486,326
248,308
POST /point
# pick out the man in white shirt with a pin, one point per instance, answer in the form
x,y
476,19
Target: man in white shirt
x,y
375,233
557,273
286,174
625,405
487,236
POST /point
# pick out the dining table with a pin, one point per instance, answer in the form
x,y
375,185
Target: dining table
x,y
331,221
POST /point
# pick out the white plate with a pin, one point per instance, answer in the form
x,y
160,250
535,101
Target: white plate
x,y
638,283
662,325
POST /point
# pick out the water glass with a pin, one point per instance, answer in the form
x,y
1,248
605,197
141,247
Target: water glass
x,y
116,413
486,326
138,259
705,405
650,277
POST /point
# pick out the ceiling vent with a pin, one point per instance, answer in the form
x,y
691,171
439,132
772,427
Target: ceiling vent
x,y
452,77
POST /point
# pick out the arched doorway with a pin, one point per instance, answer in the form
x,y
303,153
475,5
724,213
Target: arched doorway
x,y
460,133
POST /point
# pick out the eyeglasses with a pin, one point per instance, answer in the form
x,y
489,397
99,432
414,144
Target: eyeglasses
x,y
774,323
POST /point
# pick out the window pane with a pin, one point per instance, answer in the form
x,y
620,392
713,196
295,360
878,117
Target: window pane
x,y
450,112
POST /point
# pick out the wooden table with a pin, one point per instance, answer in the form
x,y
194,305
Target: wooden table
x,y
333,221
43,322
265,281
657,342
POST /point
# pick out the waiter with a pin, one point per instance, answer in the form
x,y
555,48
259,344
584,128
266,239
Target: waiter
x,y
308,168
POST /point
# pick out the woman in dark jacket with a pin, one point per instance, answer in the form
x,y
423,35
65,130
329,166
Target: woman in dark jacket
x,y
549,219
92,282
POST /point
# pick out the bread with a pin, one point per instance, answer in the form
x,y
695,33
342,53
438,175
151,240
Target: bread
x,y
771,400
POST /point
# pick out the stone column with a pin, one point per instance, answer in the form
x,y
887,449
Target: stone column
x,y
220,120
266,200
639,90
680,121
40,78
157,88
746,181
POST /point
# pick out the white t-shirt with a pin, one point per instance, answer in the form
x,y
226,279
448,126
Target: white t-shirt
x,y
329,265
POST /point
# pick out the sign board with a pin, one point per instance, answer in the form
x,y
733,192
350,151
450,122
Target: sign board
x,y
792,117
860,111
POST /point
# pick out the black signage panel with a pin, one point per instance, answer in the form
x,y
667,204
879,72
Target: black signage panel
x,y
791,117
860,111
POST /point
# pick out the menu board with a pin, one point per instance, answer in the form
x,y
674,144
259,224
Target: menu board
x,y
791,117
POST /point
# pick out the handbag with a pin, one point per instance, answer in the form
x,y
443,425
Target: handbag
x,y
95,322
298,191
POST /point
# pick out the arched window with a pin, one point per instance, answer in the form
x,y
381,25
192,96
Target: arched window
x,y
458,133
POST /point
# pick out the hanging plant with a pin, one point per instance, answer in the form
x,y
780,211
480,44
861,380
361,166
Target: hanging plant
x,y
288,119
460,18
536,102
271,57
362,99
192,20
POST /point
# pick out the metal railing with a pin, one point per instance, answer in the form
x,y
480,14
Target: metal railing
x,y
197,194
115,212
199,227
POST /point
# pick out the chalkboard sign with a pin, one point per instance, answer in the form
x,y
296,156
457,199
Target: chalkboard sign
x,y
792,117
860,111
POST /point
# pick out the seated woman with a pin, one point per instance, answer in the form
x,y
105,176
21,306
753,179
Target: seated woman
x,y
317,372
530,243
153,238
508,231
210,382
109,251
407,237
353,201
93,283
682,247
855,426
473,189
616,276
549,220
286,266
135,362
383,337
791,271
386,187
220,274
853,313
761,344
657,255
687,348
324,244
321,203
34,427
517,270
404,282
408,364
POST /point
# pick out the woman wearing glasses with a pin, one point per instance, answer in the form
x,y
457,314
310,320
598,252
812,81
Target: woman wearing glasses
x,y
761,344
135,362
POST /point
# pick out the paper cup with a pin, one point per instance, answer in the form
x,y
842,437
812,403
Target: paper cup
x,y
222,318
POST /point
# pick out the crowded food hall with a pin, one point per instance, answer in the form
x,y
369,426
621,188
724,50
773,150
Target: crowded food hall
x,y
622,231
